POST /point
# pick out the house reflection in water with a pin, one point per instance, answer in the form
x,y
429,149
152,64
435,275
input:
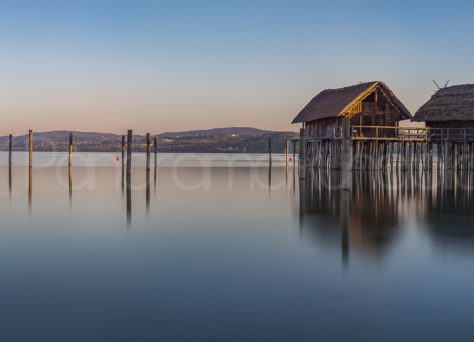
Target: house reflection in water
x,y
369,219
450,212
365,218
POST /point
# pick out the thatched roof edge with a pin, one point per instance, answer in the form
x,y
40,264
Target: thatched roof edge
x,y
455,103
335,102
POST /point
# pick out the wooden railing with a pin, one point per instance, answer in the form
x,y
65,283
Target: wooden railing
x,y
391,133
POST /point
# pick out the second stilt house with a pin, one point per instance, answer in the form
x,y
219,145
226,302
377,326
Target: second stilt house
x,y
365,105
451,107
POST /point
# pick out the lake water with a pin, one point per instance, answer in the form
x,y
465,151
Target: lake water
x,y
223,248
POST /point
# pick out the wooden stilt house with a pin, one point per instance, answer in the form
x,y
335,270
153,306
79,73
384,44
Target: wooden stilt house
x,y
451,107
365,104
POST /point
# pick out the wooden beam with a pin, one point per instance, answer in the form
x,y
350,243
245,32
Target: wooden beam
x,y
30,134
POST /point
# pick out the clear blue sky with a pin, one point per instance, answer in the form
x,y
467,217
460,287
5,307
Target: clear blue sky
x,y
172,65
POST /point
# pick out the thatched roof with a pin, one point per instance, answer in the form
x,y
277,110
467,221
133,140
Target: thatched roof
x,y
454,103
335,102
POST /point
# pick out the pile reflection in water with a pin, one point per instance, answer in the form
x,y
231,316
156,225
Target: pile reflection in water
x,y
369,216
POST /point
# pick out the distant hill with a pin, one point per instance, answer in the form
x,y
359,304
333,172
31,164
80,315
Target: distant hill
x,y
243,131
229,140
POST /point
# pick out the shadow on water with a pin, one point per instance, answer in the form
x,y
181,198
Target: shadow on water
x,y
449,211
122,183
154,176
30,188
147,192
368,219
10,181
70,184
270,179
129,199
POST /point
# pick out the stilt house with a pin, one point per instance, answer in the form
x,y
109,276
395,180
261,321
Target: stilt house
x,y
451,107
365,104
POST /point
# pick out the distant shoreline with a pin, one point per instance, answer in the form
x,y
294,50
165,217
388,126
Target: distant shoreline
x,y
216,140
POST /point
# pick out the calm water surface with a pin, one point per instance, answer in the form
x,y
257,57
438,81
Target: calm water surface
x,y
221,248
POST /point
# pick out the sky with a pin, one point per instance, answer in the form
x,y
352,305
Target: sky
x,y
155,66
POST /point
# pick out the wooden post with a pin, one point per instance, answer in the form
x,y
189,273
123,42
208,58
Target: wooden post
x,y
10,145
286,153
270,151
148,150
71,142
129,177
129,152
302,158
31,148
123,150
294,153
70,148
148,162
346,157
30,169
